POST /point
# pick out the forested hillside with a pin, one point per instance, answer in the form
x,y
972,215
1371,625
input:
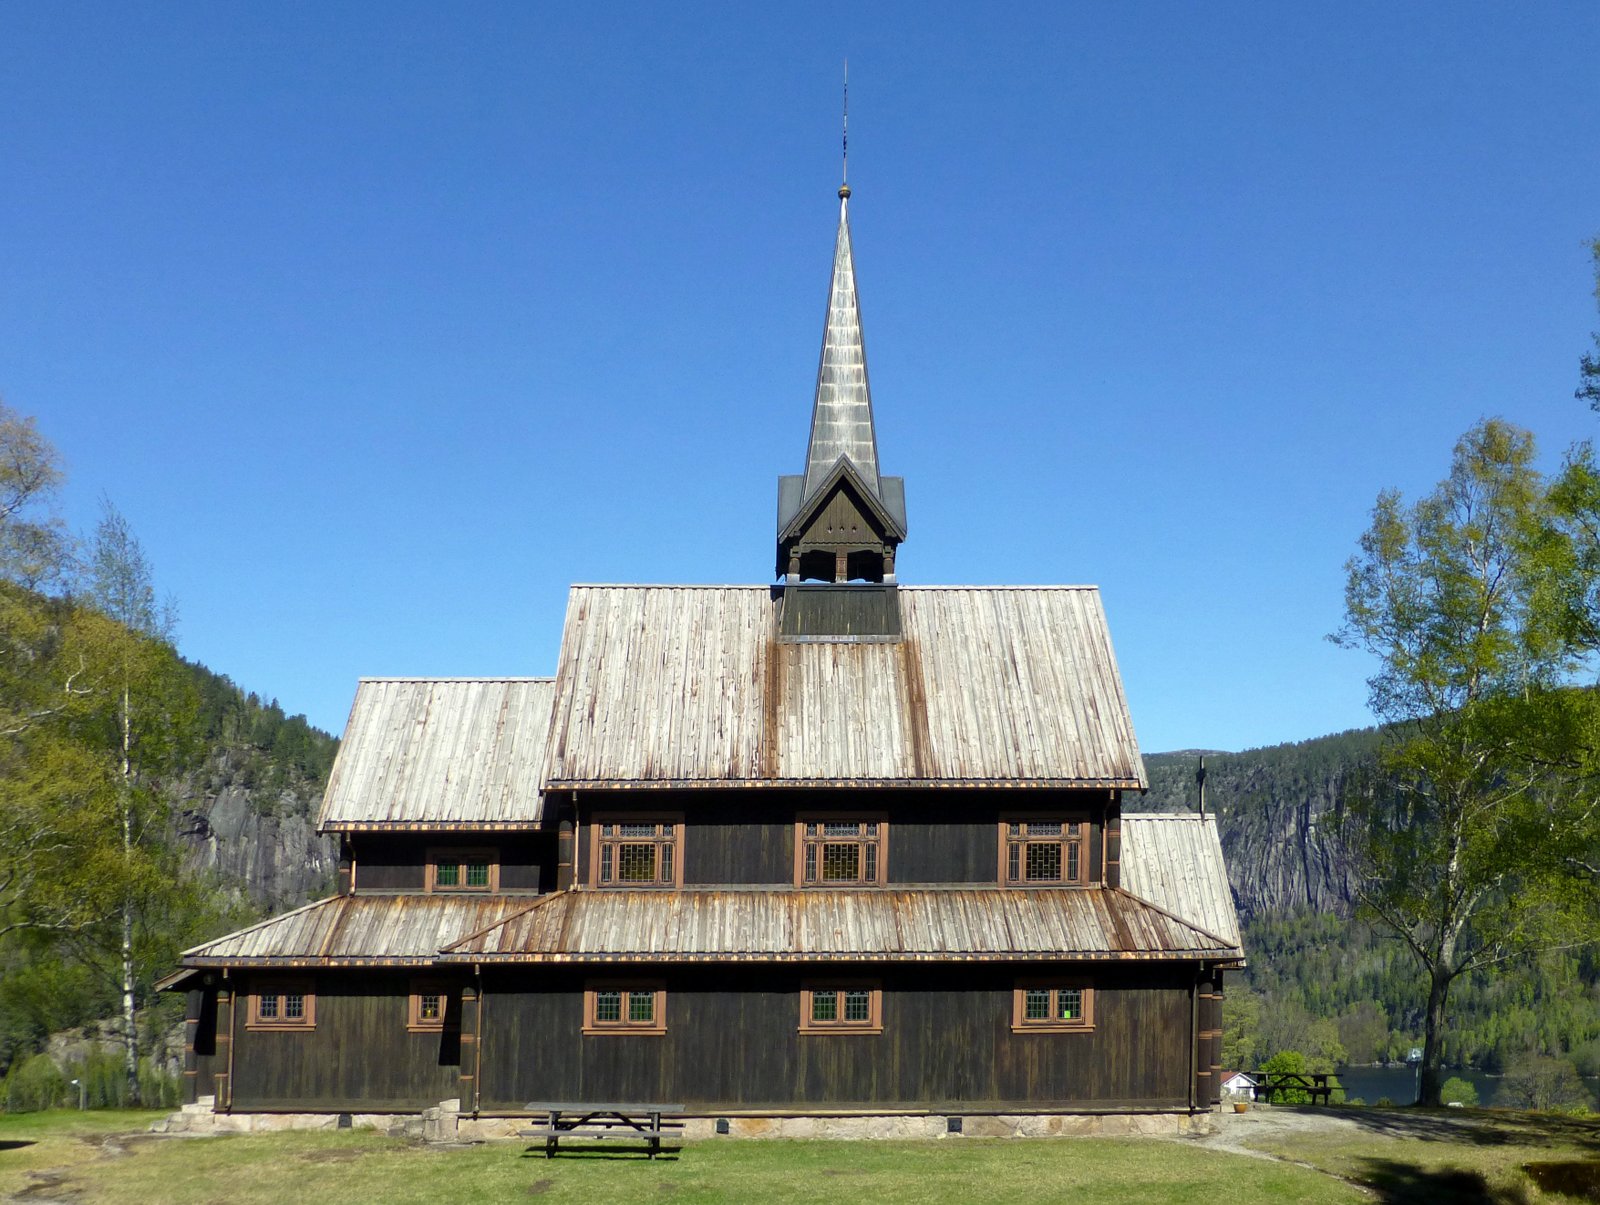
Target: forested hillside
x,y
1319,980
247,811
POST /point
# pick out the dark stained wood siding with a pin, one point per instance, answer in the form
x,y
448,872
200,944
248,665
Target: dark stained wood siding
x,y
746,838
395,861
360,1056
732,1042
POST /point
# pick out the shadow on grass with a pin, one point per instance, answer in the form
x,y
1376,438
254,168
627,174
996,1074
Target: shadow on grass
x,y
635,1154
12,1144
1476,1127
1396,1183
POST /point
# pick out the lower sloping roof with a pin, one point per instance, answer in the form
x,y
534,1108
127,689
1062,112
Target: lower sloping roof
x,y
1174,860
357,930
926,924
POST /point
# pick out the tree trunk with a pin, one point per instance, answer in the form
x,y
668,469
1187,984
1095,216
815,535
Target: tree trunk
x,y
129,1017
1433,1039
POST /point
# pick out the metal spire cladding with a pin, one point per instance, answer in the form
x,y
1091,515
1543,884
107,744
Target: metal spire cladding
x,y
841,417
840,520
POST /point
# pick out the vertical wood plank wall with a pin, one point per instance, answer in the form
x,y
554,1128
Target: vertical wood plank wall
x,y
732,1041
949,836
360,1055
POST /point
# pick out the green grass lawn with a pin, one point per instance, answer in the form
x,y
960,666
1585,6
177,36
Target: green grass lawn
x,y
94,1158
1447,1157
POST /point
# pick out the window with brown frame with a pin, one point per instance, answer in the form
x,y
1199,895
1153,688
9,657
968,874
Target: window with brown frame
x,y
841,1006
1041,852
841,851
430,1004
1049,1005
625,1008
636,851
287,1004
463,870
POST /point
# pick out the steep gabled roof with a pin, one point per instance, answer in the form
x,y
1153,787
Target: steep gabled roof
x,y
441,753
689,685
788,925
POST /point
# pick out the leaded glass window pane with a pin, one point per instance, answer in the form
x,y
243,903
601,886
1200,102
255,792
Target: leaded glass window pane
x,y
811,863
447,874
642,1006
1041,829
872,864
1069,1006
1072,862
605,863
268,1009
841,863
1013,860
430,1008
666,863
608,1006
1036,1004
841,830
294,1006
637,830
858,1006
1044,862
824,1006
636,863
477,874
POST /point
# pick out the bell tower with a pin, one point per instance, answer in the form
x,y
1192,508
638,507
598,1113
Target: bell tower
x,y
841,521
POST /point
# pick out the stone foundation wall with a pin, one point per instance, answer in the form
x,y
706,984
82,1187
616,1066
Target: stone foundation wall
x,y
446,1123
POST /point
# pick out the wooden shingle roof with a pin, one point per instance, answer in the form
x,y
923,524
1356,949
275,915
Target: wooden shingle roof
x,y
1174,860
989,686
358,930
789,925
436,753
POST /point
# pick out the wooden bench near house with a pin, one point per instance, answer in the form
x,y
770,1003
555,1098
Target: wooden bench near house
x,y
647,1123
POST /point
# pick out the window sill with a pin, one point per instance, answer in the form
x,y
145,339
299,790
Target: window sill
x,y
624,1031
424,1028
265,1028
840,1031
1052,1028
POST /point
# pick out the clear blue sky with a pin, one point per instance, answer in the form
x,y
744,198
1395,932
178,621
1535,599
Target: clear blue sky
x,y
384,323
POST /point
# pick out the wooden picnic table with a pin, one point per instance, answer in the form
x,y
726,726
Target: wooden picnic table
x,y
649,1123
1315,1084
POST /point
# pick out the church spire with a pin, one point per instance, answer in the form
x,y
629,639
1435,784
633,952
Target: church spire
x,y
841,520
841,415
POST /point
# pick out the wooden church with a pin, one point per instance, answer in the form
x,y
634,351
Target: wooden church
x,y
833,846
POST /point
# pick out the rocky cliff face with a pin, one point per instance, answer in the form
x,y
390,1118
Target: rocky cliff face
x,y
260,835
1277,811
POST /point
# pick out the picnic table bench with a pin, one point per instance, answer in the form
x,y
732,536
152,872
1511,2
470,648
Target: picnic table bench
x,y
1314,1084
640,1122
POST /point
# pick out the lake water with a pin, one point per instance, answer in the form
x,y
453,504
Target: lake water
x,y
1399,1084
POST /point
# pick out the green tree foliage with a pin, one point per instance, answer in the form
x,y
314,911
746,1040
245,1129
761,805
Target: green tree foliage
x,y
34,548
1543,1083
1589,366
1458,1091
1476,858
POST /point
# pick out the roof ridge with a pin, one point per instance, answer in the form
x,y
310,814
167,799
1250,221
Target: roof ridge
x,y
507,918
457,678
1170,915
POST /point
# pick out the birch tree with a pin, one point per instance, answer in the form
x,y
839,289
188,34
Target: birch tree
x,y
1472,852
144,721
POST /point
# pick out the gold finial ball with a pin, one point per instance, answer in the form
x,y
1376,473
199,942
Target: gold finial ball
x,y
844,192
